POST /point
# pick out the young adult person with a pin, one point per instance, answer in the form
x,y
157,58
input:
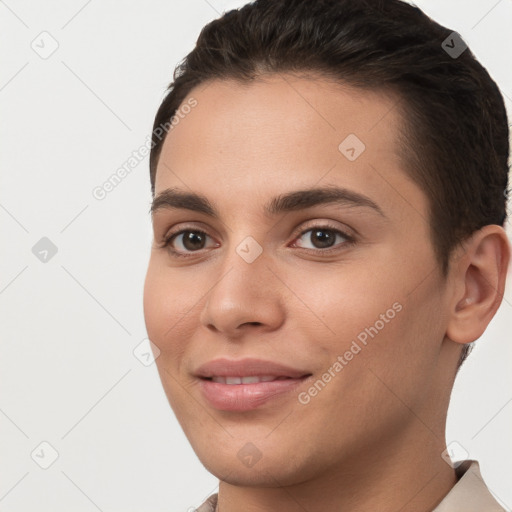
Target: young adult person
x,y
329,182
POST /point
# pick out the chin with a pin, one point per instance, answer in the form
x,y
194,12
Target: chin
x,y
262,474
239,462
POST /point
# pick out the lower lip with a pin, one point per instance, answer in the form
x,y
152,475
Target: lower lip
x,y
245,397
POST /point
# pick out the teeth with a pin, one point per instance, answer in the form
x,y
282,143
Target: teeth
x,y
251,380
245,380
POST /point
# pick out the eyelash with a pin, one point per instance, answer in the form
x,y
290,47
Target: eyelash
x,y
349,240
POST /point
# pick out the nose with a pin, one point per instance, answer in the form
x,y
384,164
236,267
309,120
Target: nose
x,y
244,296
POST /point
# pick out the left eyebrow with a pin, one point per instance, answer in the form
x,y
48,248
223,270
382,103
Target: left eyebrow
x,y
173,198
302,199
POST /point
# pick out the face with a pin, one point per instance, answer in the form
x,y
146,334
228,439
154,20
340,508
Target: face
x,y
338,286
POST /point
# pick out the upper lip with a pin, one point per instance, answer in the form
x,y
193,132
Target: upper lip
x,y
246,368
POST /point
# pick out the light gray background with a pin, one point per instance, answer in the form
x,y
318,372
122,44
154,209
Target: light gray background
x,y
68,374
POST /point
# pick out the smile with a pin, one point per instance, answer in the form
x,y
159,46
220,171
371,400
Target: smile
x,y
253,379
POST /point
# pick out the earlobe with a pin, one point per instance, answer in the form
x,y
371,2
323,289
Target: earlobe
x,y
479,283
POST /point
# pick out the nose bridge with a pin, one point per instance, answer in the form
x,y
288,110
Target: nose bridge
x,y
245,292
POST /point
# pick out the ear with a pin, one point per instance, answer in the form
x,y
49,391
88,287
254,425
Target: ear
x,y
479,273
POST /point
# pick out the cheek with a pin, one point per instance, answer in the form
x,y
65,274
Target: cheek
x,y
342,300
155,305
165,312
367,311
402,357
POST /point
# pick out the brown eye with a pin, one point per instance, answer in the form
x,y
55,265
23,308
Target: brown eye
x,y
322,238
188,240
193,240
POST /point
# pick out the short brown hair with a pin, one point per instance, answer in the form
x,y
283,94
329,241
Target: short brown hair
x,y
455,139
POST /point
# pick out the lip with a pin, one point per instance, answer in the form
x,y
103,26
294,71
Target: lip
x,y
246,397
247,367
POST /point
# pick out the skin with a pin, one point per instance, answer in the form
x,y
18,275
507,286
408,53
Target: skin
x,y
380,423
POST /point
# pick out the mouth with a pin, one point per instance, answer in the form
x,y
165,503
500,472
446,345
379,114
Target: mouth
x,y
250,379
247,384
248,367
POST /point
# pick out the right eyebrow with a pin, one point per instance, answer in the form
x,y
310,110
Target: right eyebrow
x,y
172,198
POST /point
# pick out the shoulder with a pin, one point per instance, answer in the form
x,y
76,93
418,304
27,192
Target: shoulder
x,y
209,505
470,493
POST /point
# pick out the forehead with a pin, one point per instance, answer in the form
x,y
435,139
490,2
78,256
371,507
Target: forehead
x,y
283,110
282,132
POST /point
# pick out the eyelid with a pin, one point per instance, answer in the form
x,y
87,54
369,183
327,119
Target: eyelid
x,y
184,226
347,232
